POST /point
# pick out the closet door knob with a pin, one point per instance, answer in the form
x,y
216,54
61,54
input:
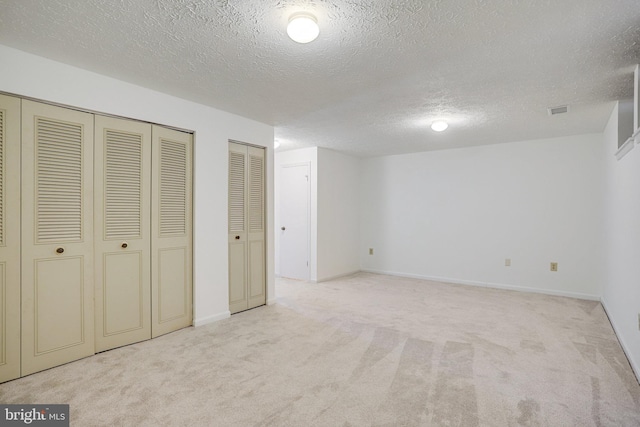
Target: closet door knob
x,y
124,245
60,250
237,237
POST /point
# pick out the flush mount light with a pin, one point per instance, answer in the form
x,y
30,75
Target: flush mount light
x,y
439,126
303,27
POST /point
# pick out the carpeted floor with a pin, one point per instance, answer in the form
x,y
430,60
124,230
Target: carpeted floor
x,y
359,351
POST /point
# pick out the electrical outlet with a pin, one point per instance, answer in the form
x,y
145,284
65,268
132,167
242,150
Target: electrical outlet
x,y
370,251
507,262
554,266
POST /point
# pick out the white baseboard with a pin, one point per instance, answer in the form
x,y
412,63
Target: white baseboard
x,y
271,301
508,287
211,319
337,276
632,362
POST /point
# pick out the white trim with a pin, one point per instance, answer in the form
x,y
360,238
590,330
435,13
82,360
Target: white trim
x,y
508,287
211,319
634,367
625,148
271,301
337,276
636,136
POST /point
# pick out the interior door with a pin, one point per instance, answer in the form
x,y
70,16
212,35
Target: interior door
x,y
57,236
294,221
122,231
9,238
171,224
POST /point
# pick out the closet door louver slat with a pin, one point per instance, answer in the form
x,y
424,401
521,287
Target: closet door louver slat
x,y
236,191
59,180
256,193
123,184
173,188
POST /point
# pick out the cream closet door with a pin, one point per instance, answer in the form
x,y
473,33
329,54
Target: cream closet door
x,y
238,300
256,220
171,241
9,238
57,236
246,227
122,232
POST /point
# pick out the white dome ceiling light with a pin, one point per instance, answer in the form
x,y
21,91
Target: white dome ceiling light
x,y
303,27
439,126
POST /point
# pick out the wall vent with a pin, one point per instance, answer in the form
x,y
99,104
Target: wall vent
x,y
558,110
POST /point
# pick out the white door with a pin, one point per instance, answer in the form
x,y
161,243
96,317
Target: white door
x,y
57,236
171,224
122,231
9,238
294,221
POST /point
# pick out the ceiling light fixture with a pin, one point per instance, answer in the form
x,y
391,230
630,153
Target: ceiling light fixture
x,y
303,27
439,126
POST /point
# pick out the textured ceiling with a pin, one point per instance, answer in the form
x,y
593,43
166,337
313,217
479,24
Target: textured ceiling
x,y
376,77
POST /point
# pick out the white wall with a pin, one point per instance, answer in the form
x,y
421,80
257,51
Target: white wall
x,y
37,77
621,296
307,156
338,214
455,215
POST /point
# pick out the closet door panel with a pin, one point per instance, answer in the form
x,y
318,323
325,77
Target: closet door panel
x,y
237,228
256,273
57,236
174,298
122,231
256,220
171,224
9,238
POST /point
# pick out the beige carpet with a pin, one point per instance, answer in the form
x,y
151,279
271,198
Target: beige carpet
x,y
363,350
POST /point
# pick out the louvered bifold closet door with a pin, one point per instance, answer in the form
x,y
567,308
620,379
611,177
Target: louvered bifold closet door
x,y
247,278
9,238
122,231
57,236
238,298
171,225
256,275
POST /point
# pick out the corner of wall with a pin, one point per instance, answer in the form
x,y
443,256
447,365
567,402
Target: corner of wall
x,y
211,319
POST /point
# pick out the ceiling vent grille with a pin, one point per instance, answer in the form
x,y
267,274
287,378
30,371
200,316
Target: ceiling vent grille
x,y
558,110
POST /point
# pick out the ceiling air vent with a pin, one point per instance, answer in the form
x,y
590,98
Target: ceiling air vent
x,y
558,110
